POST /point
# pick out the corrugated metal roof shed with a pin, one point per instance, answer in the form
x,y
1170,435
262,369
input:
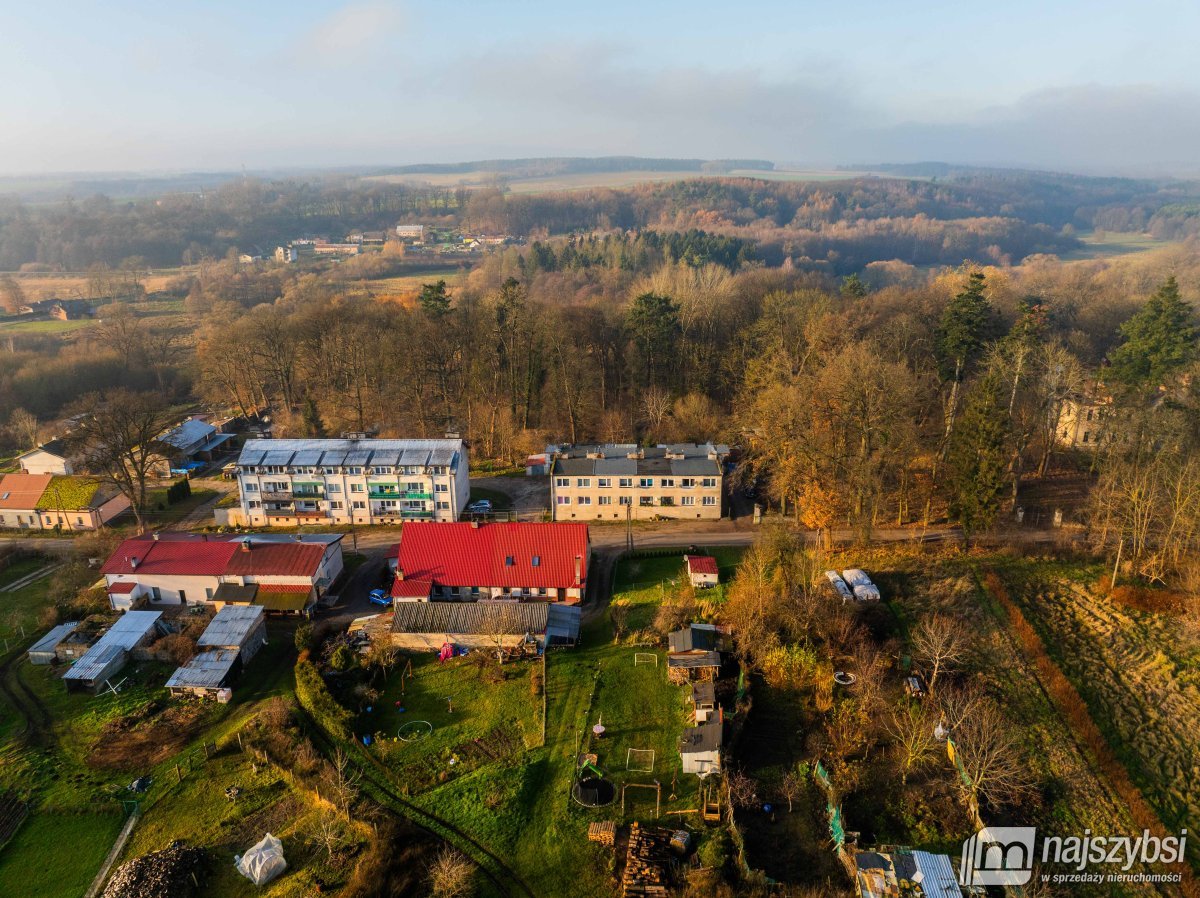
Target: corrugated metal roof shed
x,y
53,638
470,617
563,623
232,625
206,670
128,631
688,662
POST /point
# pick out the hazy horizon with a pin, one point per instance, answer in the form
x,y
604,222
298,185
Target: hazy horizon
x,y
296,86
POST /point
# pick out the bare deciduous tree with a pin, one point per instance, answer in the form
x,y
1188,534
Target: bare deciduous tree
x,y
911,726
451,875
24,427
618,613
987,752
940,644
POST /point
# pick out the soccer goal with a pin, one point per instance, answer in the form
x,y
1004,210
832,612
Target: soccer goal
x,y
645,658
639,760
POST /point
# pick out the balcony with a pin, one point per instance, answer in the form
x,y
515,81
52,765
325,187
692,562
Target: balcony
x,y
275,496
397,494
308,494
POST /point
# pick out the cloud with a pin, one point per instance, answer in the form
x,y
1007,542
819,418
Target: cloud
x,y
351,34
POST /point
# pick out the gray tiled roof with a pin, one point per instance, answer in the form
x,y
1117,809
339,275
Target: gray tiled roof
x,y
355,453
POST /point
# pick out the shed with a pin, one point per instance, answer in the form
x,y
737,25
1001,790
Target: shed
x,y
206,673
702,570
427,626
111,651
238,628
700,748
704,701
701,638
562,624
698,666
43,651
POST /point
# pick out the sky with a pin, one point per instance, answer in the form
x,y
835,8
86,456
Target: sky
x,y
1094,87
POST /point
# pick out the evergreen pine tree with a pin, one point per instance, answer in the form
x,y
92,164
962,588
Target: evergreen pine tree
x,y
1158,340
977,463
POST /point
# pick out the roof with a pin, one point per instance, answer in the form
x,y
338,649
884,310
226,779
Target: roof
x,y
704,738
54,637
71,493
206,670
702,564
563,622
192,555
121,588
357,453
695,638
704,693
628,459
22,491
55,446
188,434
470,617
235,592
232,626
938,875
283,597
126,633
410,588
689,662
495,555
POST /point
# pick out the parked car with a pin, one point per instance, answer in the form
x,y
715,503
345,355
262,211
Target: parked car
x,y
864,589
480,506
380,597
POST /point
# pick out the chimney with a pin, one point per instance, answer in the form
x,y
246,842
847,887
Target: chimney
x,y
155,535
246,544
399,573
133,562
578,569
299,538
475,524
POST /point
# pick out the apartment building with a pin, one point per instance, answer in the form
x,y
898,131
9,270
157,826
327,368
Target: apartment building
x,y
283,483
616,481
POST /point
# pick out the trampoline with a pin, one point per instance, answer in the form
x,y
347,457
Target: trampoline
x,y
414,730
594,792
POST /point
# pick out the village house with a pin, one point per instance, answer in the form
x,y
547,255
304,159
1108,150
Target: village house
x,y
415,233
226,646
619,481
189,441
110,653
360,481
279,573
508,561
50,502
51,457
700,748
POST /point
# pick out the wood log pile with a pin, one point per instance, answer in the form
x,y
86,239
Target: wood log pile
x,y
604,832
648,863
175,872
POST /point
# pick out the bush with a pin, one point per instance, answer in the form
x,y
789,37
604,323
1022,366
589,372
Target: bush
x,y
315,698
343,658
178,491
304,636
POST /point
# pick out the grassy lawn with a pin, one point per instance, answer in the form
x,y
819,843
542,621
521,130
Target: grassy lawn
x,y
57,854
20,608
500,502
172,513
50,326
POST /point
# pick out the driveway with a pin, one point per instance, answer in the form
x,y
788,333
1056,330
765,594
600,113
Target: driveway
x,y
528,496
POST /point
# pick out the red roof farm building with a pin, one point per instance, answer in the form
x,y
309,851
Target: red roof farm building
x,y
471,561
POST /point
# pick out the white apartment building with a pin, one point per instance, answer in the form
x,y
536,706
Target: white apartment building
x,y
282,483
616,481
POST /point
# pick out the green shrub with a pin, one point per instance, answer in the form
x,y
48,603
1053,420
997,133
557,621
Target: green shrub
x,y
315,698
304,636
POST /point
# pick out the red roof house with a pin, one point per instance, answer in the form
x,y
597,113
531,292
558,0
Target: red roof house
x,y
471,561
702,570
282,574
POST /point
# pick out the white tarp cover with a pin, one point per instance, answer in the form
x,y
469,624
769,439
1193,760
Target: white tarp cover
x,y
263,862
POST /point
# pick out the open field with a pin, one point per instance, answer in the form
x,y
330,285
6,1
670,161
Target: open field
x,y
60,285
1101,244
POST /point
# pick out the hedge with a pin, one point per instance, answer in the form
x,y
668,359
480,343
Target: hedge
x,y
316,699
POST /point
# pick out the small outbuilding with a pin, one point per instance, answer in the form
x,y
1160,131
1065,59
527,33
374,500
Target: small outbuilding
x,y
702,570
704,701
228,643
427,626
700,748
695,666
109,655
44,651
695,639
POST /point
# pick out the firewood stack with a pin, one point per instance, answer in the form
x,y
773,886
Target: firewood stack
x,y
604,832
648,863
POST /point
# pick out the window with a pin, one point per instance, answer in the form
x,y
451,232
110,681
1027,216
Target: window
x,y
251,487
604,482
354,470
646,482
645,501
585,482
183,596
253,504
541,590
1086,435
413,487
564,500
709,482
443,505
335,506
688,500
334,488
1089,414
356,487
606,500
155,593
562,481
709,500
687,482
441,488
79,521
666,501
358,503
509,561
537,560
668,481
585,500
208,593
625,483
331,470
625,500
